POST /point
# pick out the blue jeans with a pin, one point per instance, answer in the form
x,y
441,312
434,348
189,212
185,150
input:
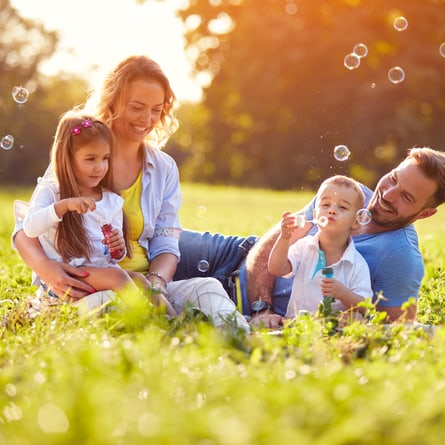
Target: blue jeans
x,y
205,254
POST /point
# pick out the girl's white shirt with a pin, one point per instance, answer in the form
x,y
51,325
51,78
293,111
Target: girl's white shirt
x,y
41,221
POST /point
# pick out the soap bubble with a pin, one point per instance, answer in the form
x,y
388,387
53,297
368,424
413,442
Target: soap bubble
x,y
341,153
400,23
322,221
396,75
7,142
351,61
363,217
203,266
300,221
442,49
360,50
20,95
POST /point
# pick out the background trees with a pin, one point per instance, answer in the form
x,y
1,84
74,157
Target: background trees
x,y
281,97
24,44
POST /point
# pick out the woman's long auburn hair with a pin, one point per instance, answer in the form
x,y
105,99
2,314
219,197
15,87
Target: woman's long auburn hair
x,y
71,237
109,101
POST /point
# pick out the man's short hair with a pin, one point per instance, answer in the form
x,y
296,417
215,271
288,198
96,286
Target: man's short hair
x,y
432,164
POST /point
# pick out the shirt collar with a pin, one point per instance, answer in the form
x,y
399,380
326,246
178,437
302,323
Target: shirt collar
x,y
148,156
348,254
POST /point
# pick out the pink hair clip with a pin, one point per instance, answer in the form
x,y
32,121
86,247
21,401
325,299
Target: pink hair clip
x,y
86,123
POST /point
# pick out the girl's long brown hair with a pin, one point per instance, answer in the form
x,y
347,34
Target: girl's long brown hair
x,y
71,237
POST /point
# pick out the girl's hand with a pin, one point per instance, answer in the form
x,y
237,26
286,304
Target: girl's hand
x,y
115,242
81,204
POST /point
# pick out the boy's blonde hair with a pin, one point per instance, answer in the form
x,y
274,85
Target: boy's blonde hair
x,y
345,181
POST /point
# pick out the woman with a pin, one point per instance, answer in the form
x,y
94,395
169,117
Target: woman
x,y
137,103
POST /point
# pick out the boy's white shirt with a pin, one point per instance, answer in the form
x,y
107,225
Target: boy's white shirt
x,y
351,270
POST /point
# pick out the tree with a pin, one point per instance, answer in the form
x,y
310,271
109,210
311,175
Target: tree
x,y
281,97
24,45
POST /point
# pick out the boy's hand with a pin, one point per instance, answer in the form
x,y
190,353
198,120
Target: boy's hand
x,y
333,288
288,225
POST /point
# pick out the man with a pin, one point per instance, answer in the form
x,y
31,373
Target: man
x,y
412,191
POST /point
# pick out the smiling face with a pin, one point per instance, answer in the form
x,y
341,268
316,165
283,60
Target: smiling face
x,y
142,110
90,165
337,205
401,197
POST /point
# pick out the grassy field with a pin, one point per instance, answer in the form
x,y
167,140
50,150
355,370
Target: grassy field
x,y
135,378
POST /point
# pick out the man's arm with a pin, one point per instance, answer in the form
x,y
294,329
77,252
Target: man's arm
x,y
395,313
260,282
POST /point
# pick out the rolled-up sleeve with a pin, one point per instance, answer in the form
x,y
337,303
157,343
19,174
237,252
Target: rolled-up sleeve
x,y
165,238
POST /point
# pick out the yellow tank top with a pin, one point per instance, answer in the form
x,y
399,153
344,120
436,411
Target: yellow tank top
x,y
133,212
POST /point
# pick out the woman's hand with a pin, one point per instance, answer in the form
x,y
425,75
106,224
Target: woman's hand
x,y
64,280
61,278
157,293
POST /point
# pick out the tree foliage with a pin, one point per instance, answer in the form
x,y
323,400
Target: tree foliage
x,y
24,45
281,97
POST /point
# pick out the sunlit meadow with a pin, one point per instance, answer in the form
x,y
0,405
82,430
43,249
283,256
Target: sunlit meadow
x,y
133,377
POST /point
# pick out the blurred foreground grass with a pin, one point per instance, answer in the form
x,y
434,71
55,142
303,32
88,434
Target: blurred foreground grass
x,y
132,377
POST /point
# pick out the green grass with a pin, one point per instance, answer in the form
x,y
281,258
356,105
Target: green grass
x,y
135,378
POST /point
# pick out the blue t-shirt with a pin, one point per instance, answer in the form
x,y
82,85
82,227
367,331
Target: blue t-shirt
x,y
394,259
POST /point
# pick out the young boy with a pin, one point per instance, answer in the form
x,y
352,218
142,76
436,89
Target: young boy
x,y
338,200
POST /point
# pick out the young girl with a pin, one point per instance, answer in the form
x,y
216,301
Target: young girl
x,y
71,208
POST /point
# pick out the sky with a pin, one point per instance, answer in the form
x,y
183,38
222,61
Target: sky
x,y
97,34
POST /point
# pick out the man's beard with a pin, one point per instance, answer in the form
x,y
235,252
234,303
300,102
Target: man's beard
x,y
392,223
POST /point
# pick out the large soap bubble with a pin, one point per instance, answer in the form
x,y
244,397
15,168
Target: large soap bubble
x,y
7,142
20,95
396,75
400,23
363,217
341,153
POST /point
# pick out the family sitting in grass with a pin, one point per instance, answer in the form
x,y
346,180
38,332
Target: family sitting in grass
x,y
137,104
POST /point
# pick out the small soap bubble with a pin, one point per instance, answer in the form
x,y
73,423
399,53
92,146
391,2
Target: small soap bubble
x,y
400,23
20,95
300,221
351,61
442,49
7,142
322,221
363,217
396,75
201,211
341,153
360,50
203,266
